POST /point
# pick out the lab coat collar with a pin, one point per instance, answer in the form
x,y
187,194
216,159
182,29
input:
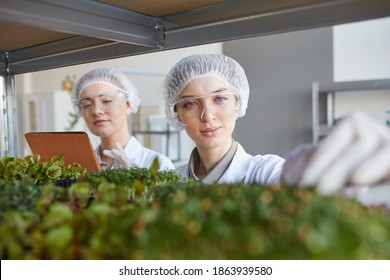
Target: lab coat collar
x,y
238,168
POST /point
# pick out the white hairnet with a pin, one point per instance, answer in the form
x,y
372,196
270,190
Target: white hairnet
x,y
198,66
107,76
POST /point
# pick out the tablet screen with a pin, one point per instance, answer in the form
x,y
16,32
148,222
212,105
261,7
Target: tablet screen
x,y
74,146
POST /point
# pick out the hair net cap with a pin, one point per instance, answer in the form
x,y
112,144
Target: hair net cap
x,y
107,76
199,66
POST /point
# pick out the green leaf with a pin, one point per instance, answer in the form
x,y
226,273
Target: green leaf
x,y
138,188
155,166
53,172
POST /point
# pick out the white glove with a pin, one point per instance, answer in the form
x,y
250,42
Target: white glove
x,y
119,156
355,153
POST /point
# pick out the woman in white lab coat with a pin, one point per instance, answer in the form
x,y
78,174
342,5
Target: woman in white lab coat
x,y
206,93
105,97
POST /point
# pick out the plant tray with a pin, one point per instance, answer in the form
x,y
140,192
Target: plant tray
x,y
65,183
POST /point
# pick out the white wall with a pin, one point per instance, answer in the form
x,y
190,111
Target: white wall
x,y
374,103
362,50
280,69
158,62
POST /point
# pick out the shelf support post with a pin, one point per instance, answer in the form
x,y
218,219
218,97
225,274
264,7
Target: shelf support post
x,y
8,116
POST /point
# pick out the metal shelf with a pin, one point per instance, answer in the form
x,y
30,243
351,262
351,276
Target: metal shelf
x,y
98,30
168,135
323,101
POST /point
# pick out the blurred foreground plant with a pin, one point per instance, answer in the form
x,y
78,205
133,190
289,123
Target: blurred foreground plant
x,y
144,214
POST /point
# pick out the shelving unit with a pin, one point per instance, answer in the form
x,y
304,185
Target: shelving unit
x,y
323,101
168,134
158,130
44,34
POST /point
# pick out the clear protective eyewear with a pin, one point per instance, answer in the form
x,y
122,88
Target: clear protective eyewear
x,y
220,105
107,102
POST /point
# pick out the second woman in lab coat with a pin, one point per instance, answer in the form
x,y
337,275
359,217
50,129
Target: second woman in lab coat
x,y
105,98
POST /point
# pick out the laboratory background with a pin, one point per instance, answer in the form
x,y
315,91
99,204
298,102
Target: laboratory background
x,y
281,69
309,64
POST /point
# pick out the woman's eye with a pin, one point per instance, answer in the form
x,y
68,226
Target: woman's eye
x,y
86,106
107,101
220,98
189,105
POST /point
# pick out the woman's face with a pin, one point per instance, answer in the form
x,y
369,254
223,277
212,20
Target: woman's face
x,y
104,109
208,111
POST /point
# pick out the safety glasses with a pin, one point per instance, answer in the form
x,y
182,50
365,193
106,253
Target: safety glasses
x,y
191,109
107,102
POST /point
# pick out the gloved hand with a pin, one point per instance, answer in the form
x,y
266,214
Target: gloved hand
x,y
119,156
355,153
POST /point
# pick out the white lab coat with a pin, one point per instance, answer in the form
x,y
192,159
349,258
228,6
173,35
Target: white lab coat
x,y
141,156
245,168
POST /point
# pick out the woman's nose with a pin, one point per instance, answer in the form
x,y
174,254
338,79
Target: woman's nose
x,y
97,110
207,115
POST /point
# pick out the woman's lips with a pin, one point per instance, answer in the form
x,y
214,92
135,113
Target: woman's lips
x,y
210,131
99,122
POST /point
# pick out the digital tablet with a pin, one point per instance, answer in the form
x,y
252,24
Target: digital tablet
x,y
74,146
